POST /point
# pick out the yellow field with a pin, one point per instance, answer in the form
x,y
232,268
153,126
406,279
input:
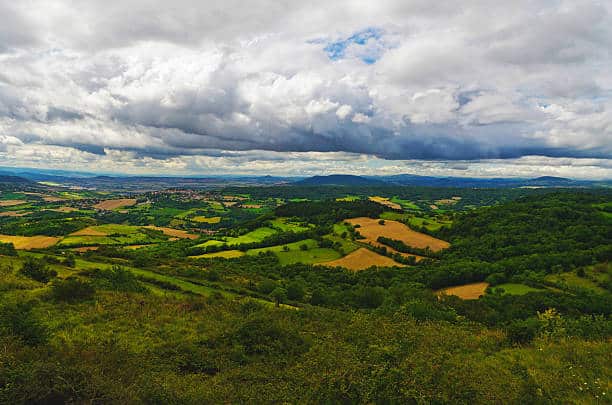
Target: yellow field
x,y
10,203
207,220
29,242
50,198
113,204
362,259
467,292
228,254
385,201
178,233
89,231
371,230
85,248
64,209
14,214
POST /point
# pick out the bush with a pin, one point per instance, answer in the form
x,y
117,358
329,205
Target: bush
x,y
523,331
18,319
263,336
7,249
37,270
71,290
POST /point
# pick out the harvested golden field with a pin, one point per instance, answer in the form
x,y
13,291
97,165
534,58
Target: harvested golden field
x,y
251,206
446,201
371,230
178,233
29,242
10,203
114,204
227,254
85,249
89,231
51,198
64,209
14,214
385,201
362,259
467,292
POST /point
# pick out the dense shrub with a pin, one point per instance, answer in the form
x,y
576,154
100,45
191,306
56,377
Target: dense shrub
x,y
37,270
71,290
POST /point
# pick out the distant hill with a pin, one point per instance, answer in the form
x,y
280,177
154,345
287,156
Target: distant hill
x,y
340,180
8,179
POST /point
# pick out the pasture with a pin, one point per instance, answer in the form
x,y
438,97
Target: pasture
x,y
516,289
371,229
362,259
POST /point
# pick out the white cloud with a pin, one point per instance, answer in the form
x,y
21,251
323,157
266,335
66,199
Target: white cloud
x,y
149,82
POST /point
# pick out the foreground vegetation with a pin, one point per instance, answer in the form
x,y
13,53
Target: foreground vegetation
x,y
248,308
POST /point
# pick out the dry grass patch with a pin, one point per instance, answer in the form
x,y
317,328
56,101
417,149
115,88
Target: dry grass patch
x,y
114,204
467,292
14,214
89,231
10,203
385,201
371,230
85,249
251,206
178,233
30,242
64,209
51,198
362,259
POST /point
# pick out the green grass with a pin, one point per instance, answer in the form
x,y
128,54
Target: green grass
x,y
116,229
405,203
516,289
349,198
257,235
394,216
311,243
285,226
314,254
348,246
311,256
571,279
298,199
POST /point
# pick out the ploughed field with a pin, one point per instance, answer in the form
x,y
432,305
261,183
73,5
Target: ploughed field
x,y
470,291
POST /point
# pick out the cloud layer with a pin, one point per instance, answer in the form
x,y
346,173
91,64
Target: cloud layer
x,y
184,86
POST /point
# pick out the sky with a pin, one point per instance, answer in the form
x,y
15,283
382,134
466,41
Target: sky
x,y
469,88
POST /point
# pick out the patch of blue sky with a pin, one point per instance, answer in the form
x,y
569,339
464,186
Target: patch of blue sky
x,y
369,54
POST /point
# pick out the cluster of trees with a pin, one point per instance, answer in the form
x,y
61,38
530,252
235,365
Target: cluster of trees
x,y
328,212
400,246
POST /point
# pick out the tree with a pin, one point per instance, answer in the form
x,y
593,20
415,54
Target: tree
x,y
279,295
37,270
295,291
303,247
381,222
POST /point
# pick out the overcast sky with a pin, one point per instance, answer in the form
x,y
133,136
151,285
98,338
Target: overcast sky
x,y
469,88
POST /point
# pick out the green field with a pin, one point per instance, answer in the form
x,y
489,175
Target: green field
x,y
257,235
349,198
284,225
316,255
310,243
571,279
206,220
406,204
516,289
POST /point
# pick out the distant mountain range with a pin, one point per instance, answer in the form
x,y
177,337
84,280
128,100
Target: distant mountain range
x,y
139,183
460,182
340,180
